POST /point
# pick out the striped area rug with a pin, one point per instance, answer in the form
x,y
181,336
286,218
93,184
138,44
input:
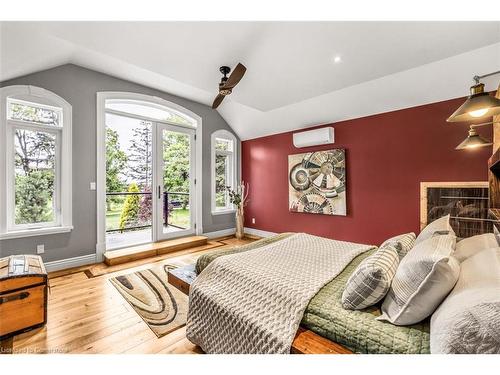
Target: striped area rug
x,y
162,306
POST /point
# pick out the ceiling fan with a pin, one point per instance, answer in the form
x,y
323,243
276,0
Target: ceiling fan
x,y
227,84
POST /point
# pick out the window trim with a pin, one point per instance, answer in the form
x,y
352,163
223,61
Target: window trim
x,y
226,135
63,191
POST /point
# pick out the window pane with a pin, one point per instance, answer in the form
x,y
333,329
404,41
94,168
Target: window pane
x,y
32,112
221,198
35,175
223,144
176,181
149,111
129,174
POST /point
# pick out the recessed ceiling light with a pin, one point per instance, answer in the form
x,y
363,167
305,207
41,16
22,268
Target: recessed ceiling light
x,y
337,59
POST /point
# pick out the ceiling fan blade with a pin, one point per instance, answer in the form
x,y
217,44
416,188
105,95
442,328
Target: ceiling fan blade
x,y
217,101
235,76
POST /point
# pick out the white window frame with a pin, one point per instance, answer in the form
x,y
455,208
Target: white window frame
x,y
124,96
225,135
63,163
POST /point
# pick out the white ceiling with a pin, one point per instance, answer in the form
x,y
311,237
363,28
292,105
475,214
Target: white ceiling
x,y
291,82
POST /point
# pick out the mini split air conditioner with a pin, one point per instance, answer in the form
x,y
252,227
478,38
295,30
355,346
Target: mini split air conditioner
x,y
322,136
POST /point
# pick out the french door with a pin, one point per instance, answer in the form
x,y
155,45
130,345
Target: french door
x,y
173,181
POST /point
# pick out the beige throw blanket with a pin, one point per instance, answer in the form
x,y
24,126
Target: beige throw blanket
x,y
253,302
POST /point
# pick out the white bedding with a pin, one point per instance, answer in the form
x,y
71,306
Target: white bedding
x,y
253,302
468,320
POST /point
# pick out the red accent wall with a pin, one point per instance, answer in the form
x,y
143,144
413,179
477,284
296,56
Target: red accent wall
x,y
387,156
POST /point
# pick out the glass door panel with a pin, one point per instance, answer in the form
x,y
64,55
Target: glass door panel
x,y
174,181
129,175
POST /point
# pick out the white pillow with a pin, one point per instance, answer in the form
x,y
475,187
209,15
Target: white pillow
x,y
441,226
468,320
423,279
473,245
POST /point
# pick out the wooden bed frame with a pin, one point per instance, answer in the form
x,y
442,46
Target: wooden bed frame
x,y
305,341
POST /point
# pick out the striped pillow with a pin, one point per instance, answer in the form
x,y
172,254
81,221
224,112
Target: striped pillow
x,y
406,242
371,280
423,279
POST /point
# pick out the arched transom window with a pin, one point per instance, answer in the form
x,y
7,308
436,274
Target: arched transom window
x,y
150,111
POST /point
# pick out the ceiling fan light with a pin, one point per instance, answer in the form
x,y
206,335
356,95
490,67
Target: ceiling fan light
x,y
227,84
478,104
473,140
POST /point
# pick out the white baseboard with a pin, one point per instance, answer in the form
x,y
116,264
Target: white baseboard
x,y
258,232
220,233
70,262
100,249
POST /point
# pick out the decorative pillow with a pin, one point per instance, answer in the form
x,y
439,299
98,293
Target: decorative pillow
x,y
406,242
439,226
473,245
371,280
468,320
423,279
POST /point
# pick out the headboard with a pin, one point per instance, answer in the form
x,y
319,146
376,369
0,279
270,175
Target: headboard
x,y
466,202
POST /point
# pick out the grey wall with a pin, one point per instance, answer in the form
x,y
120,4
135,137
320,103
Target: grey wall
x,y
79,86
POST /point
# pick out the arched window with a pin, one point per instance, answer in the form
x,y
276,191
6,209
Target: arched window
x,y
223,148
35,162
149,110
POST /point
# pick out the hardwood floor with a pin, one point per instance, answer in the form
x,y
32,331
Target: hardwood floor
x,y
86,314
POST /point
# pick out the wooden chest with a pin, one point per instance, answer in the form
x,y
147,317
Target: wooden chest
x,y
23,294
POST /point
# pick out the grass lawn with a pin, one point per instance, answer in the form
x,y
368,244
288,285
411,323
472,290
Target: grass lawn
x,y
113,219
180,218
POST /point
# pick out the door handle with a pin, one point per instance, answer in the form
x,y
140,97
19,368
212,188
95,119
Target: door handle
x,y
159,192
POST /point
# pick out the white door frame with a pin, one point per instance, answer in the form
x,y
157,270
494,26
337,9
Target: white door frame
x,y
158,190
101,158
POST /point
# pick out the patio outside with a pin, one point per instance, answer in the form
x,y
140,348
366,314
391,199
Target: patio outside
x,y
176,216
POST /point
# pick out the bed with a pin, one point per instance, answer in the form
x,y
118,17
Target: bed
x,y
326,323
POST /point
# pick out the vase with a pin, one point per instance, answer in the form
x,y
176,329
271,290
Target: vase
x,y
239,224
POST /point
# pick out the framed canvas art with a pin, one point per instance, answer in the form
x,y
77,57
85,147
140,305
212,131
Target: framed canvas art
x,y
317,182
465,202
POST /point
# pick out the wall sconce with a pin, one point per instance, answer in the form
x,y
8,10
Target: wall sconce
x,y
479,103
474,140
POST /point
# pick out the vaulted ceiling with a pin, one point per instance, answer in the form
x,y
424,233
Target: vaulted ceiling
x,y
292,80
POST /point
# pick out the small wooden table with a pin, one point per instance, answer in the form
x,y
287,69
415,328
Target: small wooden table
x,y
182,278
305,341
